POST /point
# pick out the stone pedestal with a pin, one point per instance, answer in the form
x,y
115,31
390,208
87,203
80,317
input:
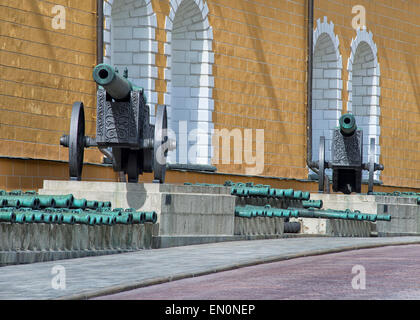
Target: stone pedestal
x,y
334,227
184,212
339,201
259,226
404,211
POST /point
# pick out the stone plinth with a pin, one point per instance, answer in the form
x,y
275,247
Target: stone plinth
x,y
182,210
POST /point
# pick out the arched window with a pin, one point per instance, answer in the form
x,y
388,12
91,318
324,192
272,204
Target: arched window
x,y
189,81
326,86
129,39
364,91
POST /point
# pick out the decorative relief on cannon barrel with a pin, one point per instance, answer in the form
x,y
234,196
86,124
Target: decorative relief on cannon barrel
x,y
101,100
133,127
120,122
347,151
117,122
137,118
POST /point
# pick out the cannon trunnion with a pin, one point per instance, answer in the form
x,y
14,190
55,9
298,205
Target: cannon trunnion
x,y
123,132
347,154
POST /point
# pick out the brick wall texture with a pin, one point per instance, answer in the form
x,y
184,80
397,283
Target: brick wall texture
x,y
254,78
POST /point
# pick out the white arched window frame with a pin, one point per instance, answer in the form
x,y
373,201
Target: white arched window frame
x,y
364,90
189,81
327,86
129,40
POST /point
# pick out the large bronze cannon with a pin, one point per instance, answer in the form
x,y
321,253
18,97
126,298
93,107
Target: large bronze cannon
x,y
346,163
123,130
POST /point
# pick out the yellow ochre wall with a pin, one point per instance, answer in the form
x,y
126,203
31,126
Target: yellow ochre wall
x,y
259,76
395,25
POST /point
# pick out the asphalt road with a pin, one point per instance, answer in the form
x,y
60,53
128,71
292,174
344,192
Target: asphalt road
x,y
379,273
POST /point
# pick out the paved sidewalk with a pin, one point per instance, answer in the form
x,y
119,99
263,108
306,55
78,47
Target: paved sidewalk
x,y
94,276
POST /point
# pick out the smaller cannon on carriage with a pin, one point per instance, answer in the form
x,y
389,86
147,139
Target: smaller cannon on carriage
x,y
347,152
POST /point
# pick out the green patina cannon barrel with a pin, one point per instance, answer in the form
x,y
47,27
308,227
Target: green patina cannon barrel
x,y
46,202
20,201
117,87
139,217
258,191
104,204
13,203
340,214
79,204
79,214
85,218
63,201
92,204
118,215
49,218
124,219
248,189
67,218
38,216
150,216
243,214
7,216
21,218
347,124
383,217
266,211
312,204
249,211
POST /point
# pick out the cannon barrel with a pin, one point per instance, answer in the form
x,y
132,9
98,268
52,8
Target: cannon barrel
x,y
79,204
150,217
317,204
92,204
117,87
250,190
347,124
7,216
292,227
250,211
24,201
104,204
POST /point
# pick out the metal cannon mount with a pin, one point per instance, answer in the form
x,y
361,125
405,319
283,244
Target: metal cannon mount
x,y
123,130
347,152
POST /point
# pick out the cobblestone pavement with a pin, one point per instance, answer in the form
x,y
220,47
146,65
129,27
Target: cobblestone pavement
x,y
390,273
89,277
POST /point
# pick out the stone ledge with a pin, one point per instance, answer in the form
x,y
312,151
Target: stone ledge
x,y
181,209
26,257
178,241
33,237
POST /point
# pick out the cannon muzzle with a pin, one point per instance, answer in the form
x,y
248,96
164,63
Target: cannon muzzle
x,y
117,87
347,124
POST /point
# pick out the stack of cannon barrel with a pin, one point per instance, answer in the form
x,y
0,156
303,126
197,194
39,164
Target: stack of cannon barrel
x,y
400,194
29,207
267,211
259,190
298,205
250,190
263,191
